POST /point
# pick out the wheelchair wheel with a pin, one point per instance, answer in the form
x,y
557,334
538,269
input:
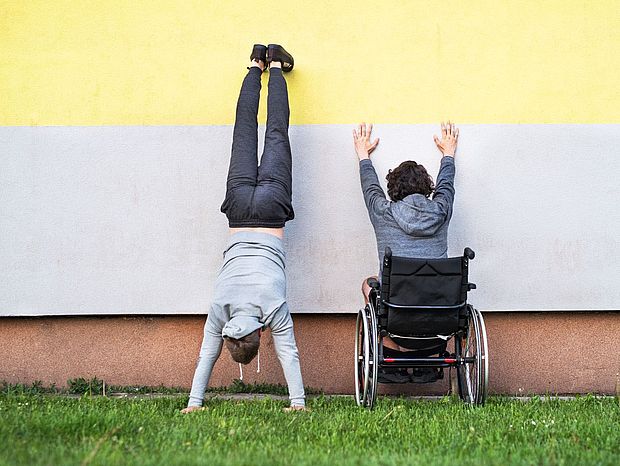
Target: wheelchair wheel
x,y
472,376
373,346
362,359
366,370
484,359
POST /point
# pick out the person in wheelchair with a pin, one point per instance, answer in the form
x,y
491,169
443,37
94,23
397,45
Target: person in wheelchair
x,y
413,222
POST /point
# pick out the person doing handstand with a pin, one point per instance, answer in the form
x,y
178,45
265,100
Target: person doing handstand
x,y
250,290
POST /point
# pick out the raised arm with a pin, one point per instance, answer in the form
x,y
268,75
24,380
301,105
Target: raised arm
x,y
374,197
444,188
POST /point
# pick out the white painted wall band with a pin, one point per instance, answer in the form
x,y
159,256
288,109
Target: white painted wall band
x,y
124,220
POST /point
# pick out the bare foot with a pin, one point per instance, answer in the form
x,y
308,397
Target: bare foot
x,y
290,409
191,409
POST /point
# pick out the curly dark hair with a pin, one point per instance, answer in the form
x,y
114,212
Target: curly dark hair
x,y
409,178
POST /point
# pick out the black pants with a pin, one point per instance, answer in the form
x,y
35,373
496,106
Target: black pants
x,y
260,196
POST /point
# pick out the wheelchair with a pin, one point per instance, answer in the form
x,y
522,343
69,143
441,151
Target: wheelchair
x,y
421,304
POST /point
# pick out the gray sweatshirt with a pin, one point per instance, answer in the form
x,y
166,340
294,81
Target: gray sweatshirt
x,y
414,226
250,293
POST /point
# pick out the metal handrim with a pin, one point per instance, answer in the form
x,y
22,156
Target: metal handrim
x,y
469,386
484,359
478,364
361,327
373,360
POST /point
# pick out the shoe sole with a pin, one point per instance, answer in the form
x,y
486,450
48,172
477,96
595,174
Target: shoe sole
x,y
286,66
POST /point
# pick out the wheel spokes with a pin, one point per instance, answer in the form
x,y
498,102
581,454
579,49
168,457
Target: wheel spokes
x,y
362,361
360,386
471,350
483,358
373,359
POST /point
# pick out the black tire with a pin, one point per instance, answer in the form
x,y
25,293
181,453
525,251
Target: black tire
x,y
373,346
366,358
468,373
362,361
483,359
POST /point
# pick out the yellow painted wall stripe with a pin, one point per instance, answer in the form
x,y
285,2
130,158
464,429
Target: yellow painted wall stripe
x,y
161,62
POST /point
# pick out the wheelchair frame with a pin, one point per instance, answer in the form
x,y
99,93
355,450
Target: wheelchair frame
x,y
470,356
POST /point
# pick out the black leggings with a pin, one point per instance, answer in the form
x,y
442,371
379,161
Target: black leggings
x,y
260,196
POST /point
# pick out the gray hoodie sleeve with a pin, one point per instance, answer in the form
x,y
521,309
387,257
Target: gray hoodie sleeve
x,y
286,349
444,189
209,352
374,197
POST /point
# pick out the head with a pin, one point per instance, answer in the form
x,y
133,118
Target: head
x,y
409,178
243,349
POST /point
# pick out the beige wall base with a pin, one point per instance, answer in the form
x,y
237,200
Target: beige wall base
x,y
553,352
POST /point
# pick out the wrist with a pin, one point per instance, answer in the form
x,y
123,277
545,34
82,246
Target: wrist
x,y
364,156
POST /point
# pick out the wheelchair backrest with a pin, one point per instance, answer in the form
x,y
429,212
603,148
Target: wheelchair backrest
x,y
423,297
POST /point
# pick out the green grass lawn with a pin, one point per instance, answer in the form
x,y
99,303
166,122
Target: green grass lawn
x,y
44,429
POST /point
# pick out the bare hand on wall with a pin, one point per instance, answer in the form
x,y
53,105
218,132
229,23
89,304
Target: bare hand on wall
x,y
361,140
449,139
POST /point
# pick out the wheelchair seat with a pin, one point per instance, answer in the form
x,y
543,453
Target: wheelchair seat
x,y
421,304
425,299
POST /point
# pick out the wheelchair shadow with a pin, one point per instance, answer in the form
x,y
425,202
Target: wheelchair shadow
x,y
438,388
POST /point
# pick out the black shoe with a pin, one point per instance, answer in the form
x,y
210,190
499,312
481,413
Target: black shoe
x,y
259,52
393,375
426,374
276,52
